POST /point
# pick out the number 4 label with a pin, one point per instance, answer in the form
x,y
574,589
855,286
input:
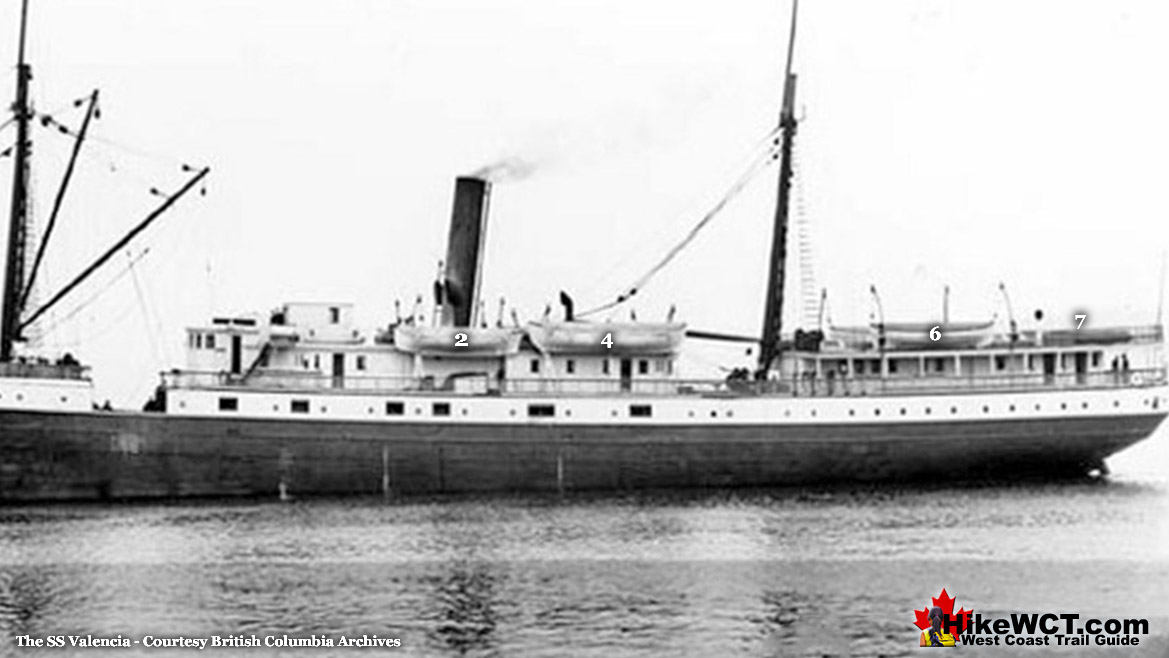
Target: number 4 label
x,y
607,341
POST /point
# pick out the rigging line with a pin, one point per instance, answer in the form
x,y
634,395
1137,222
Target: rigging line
x,y
150,330
734,191
751,159
84,304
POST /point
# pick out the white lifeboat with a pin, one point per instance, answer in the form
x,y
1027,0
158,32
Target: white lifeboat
x,y
590,338
457,341
916,335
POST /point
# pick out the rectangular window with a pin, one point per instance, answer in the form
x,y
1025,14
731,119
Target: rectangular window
x,y
228,404
299,406
541,410
334,315
643,367
605,367
892,367
210,342
441,409
570,366
316,361
395,408
641,410
1000,363
1096,357
860,367
199,341
535,366
361,362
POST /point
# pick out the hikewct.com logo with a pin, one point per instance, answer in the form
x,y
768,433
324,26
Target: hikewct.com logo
x,y
942,627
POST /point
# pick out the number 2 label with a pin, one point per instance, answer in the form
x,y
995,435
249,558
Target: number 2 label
x,y
460,340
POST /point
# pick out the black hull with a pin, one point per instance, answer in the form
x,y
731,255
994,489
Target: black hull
x,y
103,456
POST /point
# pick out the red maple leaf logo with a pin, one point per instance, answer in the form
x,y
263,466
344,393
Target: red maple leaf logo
x,y
946,603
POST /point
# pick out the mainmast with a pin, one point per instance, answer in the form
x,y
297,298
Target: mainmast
x,y
18,217
769,347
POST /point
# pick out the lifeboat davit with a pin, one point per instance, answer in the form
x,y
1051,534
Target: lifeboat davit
x,y
590,338
457,341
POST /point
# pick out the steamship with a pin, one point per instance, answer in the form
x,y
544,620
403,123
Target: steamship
x,y
300,401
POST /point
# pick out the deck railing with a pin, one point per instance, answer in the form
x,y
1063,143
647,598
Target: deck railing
x,y
799,387
38,370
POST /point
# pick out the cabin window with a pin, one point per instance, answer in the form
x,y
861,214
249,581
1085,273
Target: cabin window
x,y
316,361
541,410
228,404
860,367
1000,363
940,365
334,315
395,408
1096,358
210,342
535,366
641,410
570,366
360,362
876,369
643,367
441,409
605,367
299,406
199,341
892,367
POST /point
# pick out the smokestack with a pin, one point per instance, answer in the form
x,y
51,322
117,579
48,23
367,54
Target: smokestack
x,y
464,256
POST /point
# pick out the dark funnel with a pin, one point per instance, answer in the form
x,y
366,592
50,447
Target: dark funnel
x,y
465,250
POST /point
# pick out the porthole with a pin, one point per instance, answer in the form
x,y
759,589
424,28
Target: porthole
x,y
613,413
369,410
928,411
985,409
1011,408
324,409
64,398
418,411
953,410
876,412
1084,405
714,414
852,412
20,396
511,412
1038,407
275,407
730,413
567,412
787,413
902,411
813,413
1063,405
465,411
1116,403
182,405
691,413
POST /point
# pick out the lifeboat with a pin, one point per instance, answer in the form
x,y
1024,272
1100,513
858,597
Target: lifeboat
x,y
457,341
590,338
916,335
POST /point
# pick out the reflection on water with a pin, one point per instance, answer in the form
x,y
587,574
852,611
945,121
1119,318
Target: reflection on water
x,y
812,572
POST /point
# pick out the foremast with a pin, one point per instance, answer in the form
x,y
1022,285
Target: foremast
x,y
18,216
769,347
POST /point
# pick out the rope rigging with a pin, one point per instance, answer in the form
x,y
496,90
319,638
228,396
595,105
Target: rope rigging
x,y
773,141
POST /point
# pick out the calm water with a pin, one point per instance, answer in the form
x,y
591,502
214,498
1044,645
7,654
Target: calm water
x,y
715,574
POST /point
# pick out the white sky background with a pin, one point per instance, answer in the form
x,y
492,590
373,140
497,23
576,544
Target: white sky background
x,y
942,142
